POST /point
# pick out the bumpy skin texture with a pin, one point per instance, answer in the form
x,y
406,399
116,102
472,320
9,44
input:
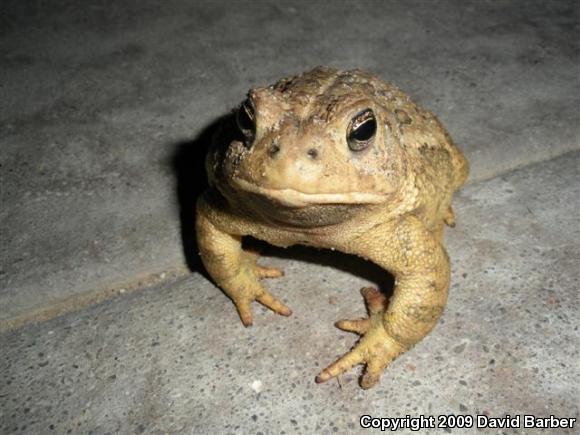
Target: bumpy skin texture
x,y
293,179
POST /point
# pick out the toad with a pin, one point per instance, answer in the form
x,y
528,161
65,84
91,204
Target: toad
x,y
336,160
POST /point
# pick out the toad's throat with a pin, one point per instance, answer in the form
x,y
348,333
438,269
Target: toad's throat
x,y
294,198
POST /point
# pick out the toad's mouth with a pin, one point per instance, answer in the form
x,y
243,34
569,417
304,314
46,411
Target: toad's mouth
x,y
294,198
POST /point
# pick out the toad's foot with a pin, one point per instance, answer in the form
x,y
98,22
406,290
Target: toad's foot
x,y
245,287
251,259
376,348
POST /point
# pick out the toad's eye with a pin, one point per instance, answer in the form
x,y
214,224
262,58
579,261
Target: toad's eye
x,y
246,120
361,130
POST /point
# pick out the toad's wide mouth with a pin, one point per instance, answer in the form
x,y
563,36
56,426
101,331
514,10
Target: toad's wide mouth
x,y
294,198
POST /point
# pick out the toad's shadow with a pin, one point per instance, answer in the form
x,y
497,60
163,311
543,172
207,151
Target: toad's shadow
x,y
189,166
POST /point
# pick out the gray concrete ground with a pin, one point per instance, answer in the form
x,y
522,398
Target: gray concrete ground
x,y
175,359
99,97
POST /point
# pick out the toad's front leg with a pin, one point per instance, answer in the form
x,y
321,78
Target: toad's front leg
x,y
421,268
234,270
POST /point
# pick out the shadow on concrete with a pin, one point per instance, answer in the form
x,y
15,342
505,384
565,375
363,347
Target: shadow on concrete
x,y
334,259
189,165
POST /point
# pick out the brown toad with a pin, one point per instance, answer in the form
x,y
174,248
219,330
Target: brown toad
x,y
339,160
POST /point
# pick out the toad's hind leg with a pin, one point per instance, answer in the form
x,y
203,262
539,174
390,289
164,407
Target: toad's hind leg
x,y
449,217
438,232
449,220
236,271
420,265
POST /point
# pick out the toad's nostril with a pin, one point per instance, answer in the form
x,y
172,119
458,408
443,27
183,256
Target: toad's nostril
x,y
312,153
274,149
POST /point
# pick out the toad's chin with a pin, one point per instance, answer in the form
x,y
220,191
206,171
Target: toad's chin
x,y
292,208
294,198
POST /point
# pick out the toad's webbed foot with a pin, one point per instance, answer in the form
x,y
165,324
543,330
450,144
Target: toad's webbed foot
x,y
376,348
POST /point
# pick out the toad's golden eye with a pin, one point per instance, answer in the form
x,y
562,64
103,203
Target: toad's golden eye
x,y
246,120
361,130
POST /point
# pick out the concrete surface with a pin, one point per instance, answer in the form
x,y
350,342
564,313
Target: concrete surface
x,y
99,100
174,359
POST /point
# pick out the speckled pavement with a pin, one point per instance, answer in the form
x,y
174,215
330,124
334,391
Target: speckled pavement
x,y
174,359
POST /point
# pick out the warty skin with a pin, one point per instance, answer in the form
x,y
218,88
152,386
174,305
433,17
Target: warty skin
x,y
336,160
